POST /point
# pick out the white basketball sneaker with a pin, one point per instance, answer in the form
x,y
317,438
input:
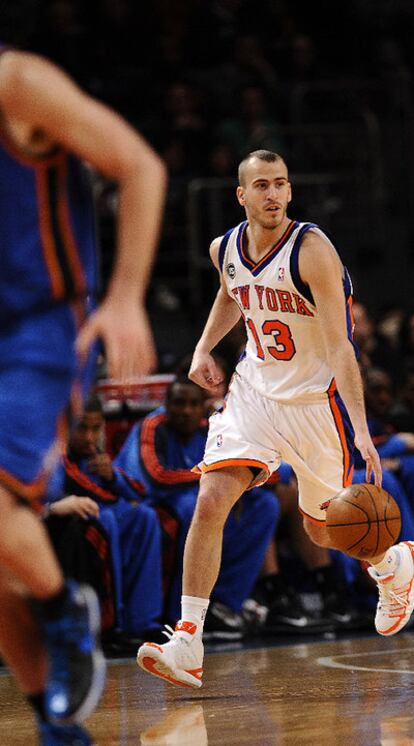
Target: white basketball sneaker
x,y
180,660
396,592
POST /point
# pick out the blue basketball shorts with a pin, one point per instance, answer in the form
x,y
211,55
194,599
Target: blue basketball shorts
x,y
38,369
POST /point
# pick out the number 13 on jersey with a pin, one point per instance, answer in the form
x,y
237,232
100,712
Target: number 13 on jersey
x,y
284,346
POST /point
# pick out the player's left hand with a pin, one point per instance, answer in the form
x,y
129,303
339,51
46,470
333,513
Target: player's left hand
x,y
123,327
370,455
101,465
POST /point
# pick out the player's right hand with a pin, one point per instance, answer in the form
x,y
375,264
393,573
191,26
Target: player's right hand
x,y
124,329
370,455
205,372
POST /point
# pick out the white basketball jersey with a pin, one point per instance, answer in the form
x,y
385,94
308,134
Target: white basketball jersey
x,y
285,357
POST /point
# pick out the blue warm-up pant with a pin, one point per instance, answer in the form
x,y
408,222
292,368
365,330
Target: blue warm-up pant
x,y
135,540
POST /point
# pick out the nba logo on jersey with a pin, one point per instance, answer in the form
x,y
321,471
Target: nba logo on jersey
x,y
281,274
219,440
231,270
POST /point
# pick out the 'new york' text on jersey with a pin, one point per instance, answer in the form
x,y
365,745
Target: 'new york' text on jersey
x,y
285,356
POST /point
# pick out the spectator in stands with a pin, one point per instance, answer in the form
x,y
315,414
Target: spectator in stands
x,y
302,67
254,127
134,531
402,411
187,125
161,451
374,349
222,160
83,550
395,75
379,399
245,64
394,448
407,339
389,323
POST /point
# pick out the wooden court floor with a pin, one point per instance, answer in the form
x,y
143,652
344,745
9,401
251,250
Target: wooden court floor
x,y
355,692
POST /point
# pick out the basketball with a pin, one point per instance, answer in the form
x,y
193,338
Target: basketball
x,y
363,521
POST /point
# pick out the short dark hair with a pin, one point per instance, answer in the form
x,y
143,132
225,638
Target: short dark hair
x,y
263,155
93,404
183,380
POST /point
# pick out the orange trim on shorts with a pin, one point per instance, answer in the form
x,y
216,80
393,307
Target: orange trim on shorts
x,y
230,462
31,491
71,249
311,518
35,490
351,314
347,475
48,242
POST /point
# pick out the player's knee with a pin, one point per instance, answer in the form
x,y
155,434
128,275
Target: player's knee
x,y
317,534
212,507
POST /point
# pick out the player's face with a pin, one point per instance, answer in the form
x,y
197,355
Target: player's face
x,y
266,192
87,435
185,408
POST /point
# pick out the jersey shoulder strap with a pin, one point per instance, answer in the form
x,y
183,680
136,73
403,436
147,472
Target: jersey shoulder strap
x,y
294,262
223,246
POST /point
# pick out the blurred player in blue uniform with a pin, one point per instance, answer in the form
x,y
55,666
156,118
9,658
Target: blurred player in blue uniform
x,y
48,126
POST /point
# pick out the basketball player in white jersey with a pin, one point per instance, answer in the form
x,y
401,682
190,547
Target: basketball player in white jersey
x,y
296,395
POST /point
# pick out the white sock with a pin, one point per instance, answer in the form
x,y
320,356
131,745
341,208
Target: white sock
x,y
194,609
389,563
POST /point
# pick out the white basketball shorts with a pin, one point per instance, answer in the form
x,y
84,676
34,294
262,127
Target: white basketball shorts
x,y
315,438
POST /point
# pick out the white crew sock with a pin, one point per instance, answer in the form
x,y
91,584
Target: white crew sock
x,y
194,609
389,563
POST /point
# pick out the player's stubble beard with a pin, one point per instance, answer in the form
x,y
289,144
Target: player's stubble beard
x,y
271,224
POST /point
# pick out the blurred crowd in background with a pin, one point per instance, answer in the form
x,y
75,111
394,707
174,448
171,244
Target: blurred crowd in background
x,y
332,92
207,82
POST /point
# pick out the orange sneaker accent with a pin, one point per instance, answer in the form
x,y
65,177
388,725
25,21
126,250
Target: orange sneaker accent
x,y
197,672
150,665
396,624
154,645
188,627
410,547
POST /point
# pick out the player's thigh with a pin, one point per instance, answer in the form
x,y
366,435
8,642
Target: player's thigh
x,y
317,487
316,531
242,434
322,456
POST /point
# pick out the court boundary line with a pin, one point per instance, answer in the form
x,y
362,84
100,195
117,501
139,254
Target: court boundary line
x,y
330,661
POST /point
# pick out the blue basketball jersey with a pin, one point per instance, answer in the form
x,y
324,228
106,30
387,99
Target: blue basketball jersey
x,y
47,229
47,261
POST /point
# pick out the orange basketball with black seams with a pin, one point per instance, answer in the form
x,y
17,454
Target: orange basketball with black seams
x,y
363,521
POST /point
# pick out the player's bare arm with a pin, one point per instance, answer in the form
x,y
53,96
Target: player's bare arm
x,y
223,316
321,268
36,94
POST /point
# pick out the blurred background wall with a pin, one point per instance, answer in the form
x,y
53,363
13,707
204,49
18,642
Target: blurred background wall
x,y
328,85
